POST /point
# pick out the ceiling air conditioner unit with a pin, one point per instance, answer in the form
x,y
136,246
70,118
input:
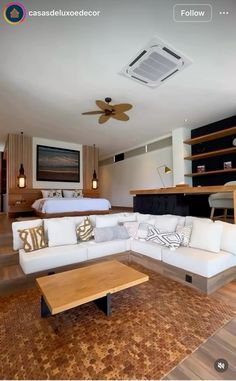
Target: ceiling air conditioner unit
x,y
155,63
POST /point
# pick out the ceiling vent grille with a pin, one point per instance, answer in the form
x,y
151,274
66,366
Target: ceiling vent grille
x,y
156,63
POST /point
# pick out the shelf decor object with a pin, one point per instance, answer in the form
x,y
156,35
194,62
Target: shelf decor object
x,y
166,170
21,178
94,179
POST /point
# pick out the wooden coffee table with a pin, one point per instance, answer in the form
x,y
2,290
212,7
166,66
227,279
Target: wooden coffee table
x,y
70,289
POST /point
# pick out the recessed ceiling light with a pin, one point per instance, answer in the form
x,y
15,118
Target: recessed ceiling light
x,y
185,120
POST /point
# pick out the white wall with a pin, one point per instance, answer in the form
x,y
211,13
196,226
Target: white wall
x,y
53,184
138,172
180,150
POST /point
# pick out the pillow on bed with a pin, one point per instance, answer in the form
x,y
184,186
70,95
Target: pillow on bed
x,y
51,193
76,193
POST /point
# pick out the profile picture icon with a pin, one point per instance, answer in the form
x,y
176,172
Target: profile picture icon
x,y
14,13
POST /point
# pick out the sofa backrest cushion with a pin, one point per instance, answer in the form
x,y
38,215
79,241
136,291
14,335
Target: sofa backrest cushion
x,y
75,220
166,223
61,232
228,239
110,233
189,220
206,236
20,225
107,220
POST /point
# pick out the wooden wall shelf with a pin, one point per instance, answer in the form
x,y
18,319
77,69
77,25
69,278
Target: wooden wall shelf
x,y
210,172
220,152
212,136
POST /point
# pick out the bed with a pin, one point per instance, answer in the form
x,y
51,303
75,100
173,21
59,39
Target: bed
x,y
60,206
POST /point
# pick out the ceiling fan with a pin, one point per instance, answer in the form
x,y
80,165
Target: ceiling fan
x,y
110,111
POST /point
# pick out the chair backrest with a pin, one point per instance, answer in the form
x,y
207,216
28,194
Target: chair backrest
x,y
231,183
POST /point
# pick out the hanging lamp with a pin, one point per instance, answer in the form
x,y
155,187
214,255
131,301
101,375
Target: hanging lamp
x,y
21,178
94,179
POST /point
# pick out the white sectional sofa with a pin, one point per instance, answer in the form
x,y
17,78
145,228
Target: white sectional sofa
x,y
203,269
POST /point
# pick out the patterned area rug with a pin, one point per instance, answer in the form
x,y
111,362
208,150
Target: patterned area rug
x,y
152,328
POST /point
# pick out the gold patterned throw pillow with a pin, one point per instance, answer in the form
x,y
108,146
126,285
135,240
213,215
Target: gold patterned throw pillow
x,y
33,238
84,230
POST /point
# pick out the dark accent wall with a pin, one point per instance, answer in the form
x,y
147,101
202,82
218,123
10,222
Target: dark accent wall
x,y
216,162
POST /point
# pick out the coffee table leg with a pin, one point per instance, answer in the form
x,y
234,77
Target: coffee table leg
x,y
104,304
44,308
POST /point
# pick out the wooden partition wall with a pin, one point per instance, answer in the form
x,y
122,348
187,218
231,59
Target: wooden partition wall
x,y
17,153
88,167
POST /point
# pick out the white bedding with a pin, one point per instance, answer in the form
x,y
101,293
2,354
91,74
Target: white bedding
x,y
63,205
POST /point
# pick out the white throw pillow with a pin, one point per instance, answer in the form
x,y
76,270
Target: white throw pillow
x,y
20,225
228,239
61,232
166,223
206,236
143,227
185,234
132,228
106,221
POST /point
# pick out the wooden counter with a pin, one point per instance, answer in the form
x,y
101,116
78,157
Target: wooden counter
x,y
185,190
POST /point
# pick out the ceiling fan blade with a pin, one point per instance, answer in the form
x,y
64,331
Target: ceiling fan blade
x,y
103,118
103,105
122,107
121,116
92,113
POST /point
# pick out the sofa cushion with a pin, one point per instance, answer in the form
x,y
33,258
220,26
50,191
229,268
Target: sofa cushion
x,y
76,220
189,220
19,225
84,230
228,239
143,227
132,228
185,234
206,236
52,257
166,223
33,238
204,263
97,250
142,217
110,233
61,232
127,217
147,248
107,220
168,239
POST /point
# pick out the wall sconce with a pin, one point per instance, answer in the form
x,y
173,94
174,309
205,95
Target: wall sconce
x,y
94,179
166,170
21,178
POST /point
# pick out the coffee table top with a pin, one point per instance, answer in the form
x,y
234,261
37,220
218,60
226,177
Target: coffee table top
x,y
75,287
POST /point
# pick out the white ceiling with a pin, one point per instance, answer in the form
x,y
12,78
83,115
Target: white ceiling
x,y
53,69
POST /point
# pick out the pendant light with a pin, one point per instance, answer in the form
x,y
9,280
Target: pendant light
x,y
94,179
21,178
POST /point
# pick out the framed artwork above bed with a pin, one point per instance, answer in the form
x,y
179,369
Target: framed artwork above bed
x,y
57,164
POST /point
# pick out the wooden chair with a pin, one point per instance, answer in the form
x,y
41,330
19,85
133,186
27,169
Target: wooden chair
x,y
221,200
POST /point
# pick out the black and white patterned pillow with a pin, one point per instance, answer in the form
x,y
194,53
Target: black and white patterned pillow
x,y
168,239
55,193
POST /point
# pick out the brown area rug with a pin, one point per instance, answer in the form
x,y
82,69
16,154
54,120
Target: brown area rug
x,y
152,328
